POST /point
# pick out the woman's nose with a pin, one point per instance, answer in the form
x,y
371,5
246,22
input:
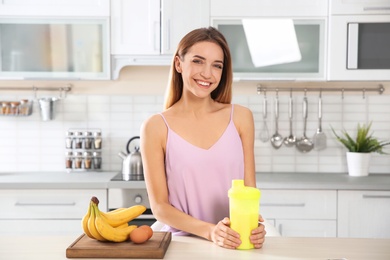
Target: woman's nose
x,y
206,72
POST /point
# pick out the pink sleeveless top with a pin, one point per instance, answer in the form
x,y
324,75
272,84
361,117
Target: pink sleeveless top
x,y
199,179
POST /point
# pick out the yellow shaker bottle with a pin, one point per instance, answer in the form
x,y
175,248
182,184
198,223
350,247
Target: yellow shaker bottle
x,y
244,211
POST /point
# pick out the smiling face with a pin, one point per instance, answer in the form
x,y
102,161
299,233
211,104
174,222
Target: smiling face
x,y
201,68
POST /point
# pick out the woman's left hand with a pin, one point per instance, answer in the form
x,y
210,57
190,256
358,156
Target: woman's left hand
x,y
258,234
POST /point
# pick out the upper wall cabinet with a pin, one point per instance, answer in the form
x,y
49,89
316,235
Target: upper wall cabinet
x,y
147,32
274,40
82,8
359,7
267,8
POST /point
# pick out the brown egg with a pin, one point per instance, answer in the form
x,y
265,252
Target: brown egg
x,y
148,229
139,235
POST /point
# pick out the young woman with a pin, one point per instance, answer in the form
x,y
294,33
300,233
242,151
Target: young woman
x,y
193,150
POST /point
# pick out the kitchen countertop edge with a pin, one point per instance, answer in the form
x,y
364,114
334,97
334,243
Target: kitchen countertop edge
x,y
102,180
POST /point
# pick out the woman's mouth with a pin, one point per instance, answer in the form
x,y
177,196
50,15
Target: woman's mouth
x,y
203,84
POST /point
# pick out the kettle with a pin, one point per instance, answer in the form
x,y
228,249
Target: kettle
x,y
132,168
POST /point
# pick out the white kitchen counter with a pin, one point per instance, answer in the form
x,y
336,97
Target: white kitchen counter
x,y
275,248
98,180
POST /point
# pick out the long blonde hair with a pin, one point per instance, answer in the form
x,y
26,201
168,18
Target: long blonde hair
x,y
223,93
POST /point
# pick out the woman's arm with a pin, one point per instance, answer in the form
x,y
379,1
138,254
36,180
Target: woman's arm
x,y
243,119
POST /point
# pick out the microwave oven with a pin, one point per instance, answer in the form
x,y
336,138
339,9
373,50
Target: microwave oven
x,y
359,48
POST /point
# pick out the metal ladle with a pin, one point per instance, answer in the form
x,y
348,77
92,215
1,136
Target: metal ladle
x,y
276,139
291,139
304,144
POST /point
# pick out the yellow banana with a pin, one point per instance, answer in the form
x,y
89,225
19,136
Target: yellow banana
x,y
123,216
91,224
110,233
115,210
84,221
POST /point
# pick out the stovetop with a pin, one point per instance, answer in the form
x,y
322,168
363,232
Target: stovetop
x,y
119,177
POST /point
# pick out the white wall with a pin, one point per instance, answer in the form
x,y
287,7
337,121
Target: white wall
x,y
119,107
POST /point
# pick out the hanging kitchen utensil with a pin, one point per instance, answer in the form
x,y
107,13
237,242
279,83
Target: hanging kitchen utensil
x,y
304,144
48,108
319,138
264,135
276,139
291,139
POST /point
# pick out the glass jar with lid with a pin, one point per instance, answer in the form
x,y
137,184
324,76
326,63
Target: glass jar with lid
x,y
97,140
14,110
97,160
78,160
87,160
78,140
5,108
68,160
69,139
24,108
88,140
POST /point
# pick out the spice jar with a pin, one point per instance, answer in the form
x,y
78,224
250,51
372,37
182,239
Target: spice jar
x,y
97,140
5,108
14,110
24,107
78,159
88,140
68,160
69,140
78,141
87,160
97,160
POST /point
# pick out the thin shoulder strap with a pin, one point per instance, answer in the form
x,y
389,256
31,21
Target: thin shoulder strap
x,y
231,113
166,123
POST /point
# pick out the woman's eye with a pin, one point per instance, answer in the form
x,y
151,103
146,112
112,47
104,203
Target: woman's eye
x,y
197,61
218,66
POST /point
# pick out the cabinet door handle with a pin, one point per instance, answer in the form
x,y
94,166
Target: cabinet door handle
x,y
23,204
376,8
282,204
365,196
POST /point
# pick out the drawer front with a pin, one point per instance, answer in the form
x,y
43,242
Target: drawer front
x,y
48,204
40,227
298,204
307,228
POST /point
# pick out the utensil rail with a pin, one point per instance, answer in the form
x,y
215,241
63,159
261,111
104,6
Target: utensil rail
x,y
380,89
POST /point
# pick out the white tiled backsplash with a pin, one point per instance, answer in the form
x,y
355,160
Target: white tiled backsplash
x,y
29,144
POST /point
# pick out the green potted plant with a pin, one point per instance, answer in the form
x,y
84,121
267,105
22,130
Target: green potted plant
x,y
360,148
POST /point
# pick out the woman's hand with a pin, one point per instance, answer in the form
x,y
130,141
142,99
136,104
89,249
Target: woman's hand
x,y
258,234
224,236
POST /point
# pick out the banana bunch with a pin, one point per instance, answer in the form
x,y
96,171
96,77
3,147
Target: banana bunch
x,y
109,226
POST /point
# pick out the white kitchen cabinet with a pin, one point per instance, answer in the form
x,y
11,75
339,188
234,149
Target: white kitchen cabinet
x,y
359,7
268,8
363,214
303,213
135,27
147,32
46,211
81,8
180,17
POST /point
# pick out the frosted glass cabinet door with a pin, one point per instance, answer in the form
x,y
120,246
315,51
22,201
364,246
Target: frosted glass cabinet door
x,y
54,48
364,214
311,40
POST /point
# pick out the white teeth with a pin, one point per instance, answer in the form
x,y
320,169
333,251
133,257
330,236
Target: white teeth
x,y
203,83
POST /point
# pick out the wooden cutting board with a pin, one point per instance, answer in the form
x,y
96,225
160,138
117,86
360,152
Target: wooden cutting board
x,y
85,247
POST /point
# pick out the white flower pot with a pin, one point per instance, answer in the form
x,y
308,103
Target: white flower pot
x,y
358,163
